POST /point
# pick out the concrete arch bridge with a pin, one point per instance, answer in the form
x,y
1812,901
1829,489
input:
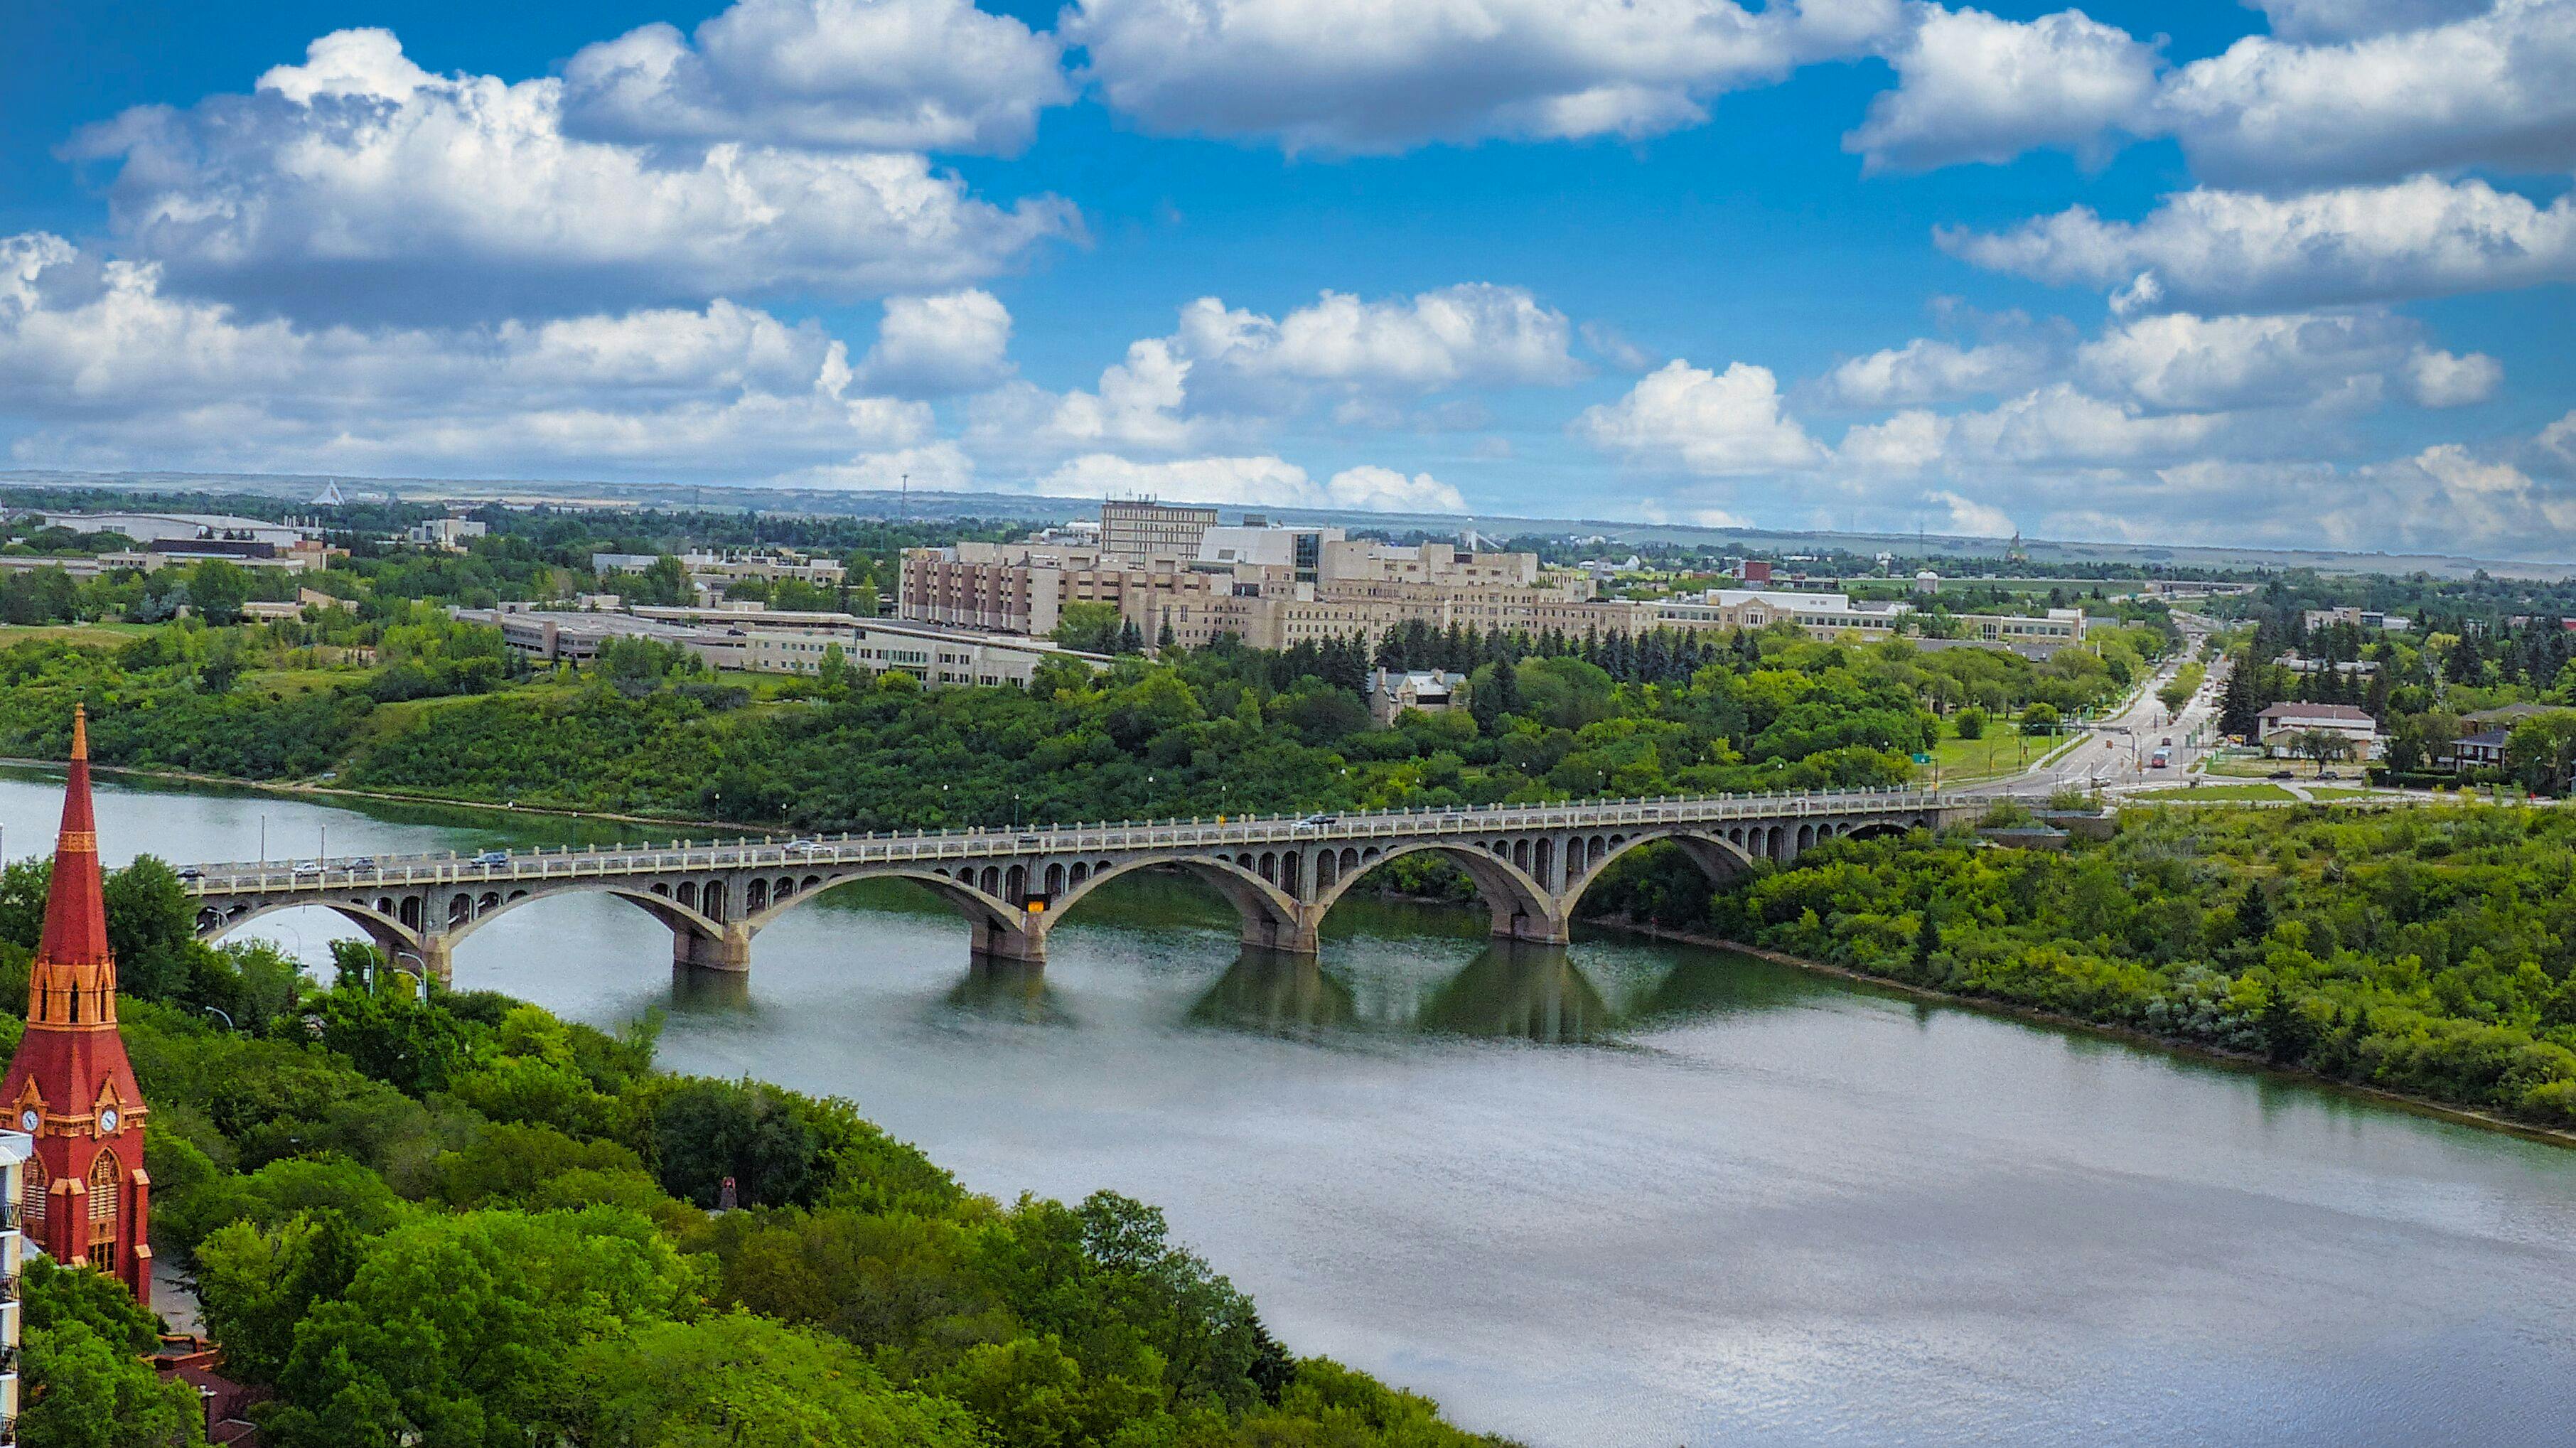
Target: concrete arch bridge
x,y
1282,873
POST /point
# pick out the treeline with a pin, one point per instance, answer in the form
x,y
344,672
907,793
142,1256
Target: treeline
x,y
1222,730
459,1222
2430,951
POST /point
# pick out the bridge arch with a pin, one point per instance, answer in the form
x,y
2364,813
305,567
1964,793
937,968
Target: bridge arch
x,y
990,915
1272,917
381,925
1720,854
1523,909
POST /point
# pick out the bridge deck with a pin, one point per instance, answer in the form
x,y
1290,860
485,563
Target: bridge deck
x,y
239,878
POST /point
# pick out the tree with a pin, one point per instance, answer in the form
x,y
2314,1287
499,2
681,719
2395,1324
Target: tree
x,y
219,589
2240,708
1090,627
2039,719
86,1385
460,1330
1969,723
2321,745
749,1382
705,1131
2540,750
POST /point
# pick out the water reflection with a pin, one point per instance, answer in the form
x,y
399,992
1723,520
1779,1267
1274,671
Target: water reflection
x,y
1010,991
698,991
1271,993
1519,990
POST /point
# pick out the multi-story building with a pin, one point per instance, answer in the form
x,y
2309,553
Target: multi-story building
x,y
2375,620
770,564
935,656
17,1148
1150,530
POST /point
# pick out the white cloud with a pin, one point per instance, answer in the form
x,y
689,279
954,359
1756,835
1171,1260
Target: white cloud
x,y
359,185
881,75
2557,443
1710,423
2348,19
1971,518
1928,369
1475,332
1224,373
2444,379
2487,89
1263,481
2179,361
103,368
2060,425
933,467
939,346
1380,75
2417,238
1613,347
1909,442
1974,87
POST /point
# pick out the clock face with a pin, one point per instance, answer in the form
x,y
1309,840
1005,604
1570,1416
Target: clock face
x,y
107,1119
30,1119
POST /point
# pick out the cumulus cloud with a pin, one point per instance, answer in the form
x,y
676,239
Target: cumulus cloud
x,y
104,368
1711,423
2350,19
2444,379
2483,89
877,75
1262,481
359,185
1975,87
1928,369
1380,75
2180,361
1225,373
1971,518
2224,249
939,346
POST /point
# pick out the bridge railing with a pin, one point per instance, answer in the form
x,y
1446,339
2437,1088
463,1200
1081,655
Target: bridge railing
x,y
904,846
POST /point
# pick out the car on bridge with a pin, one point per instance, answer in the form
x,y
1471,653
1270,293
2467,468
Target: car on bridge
x,y
1318,821
308,867
802,845
491,857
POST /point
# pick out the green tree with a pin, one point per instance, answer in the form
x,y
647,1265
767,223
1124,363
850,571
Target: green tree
x,y
85,1391
748,1382
457,1332
705,1131
218,590
2039,718
1969,723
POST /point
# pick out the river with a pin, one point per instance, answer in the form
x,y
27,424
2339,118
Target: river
x,y
1634,1193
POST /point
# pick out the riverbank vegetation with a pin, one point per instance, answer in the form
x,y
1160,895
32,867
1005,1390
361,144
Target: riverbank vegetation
x,y
459,1222
442,710
2426,951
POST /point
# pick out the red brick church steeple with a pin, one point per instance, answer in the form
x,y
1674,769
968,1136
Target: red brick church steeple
x,y
87,1198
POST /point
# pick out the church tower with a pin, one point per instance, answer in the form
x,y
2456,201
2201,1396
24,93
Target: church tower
x,y
86,1196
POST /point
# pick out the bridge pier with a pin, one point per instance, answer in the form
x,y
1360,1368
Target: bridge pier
x,y
1299,935
996,941
1552,928
730,951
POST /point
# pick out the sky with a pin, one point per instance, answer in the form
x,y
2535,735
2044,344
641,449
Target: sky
x,y
2298,272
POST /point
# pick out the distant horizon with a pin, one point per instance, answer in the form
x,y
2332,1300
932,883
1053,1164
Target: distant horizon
x,y
2272,274
1046,508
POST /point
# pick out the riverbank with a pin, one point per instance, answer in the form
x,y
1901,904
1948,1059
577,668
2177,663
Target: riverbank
x,y
2127,1035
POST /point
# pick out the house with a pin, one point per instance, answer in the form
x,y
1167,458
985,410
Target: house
x,y
1391,693
2279,728
2482,750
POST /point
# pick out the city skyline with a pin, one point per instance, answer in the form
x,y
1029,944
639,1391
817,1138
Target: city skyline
x,y
2284,275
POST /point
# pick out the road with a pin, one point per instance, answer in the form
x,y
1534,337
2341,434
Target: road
x,y
2116,752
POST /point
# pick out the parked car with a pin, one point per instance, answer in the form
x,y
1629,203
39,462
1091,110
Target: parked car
x,y
2281,774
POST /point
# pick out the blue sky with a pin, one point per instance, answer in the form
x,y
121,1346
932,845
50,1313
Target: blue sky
x,y
2292,274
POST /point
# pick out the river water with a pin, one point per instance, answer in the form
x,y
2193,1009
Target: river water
x,y
1631,1193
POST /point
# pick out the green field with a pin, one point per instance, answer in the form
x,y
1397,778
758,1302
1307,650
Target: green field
x,y
2222,794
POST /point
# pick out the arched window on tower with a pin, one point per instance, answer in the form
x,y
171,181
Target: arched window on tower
x,y
35,1186
106,1176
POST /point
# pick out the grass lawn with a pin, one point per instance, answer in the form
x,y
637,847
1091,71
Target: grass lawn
x,y
2222,794
289,682
78,635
